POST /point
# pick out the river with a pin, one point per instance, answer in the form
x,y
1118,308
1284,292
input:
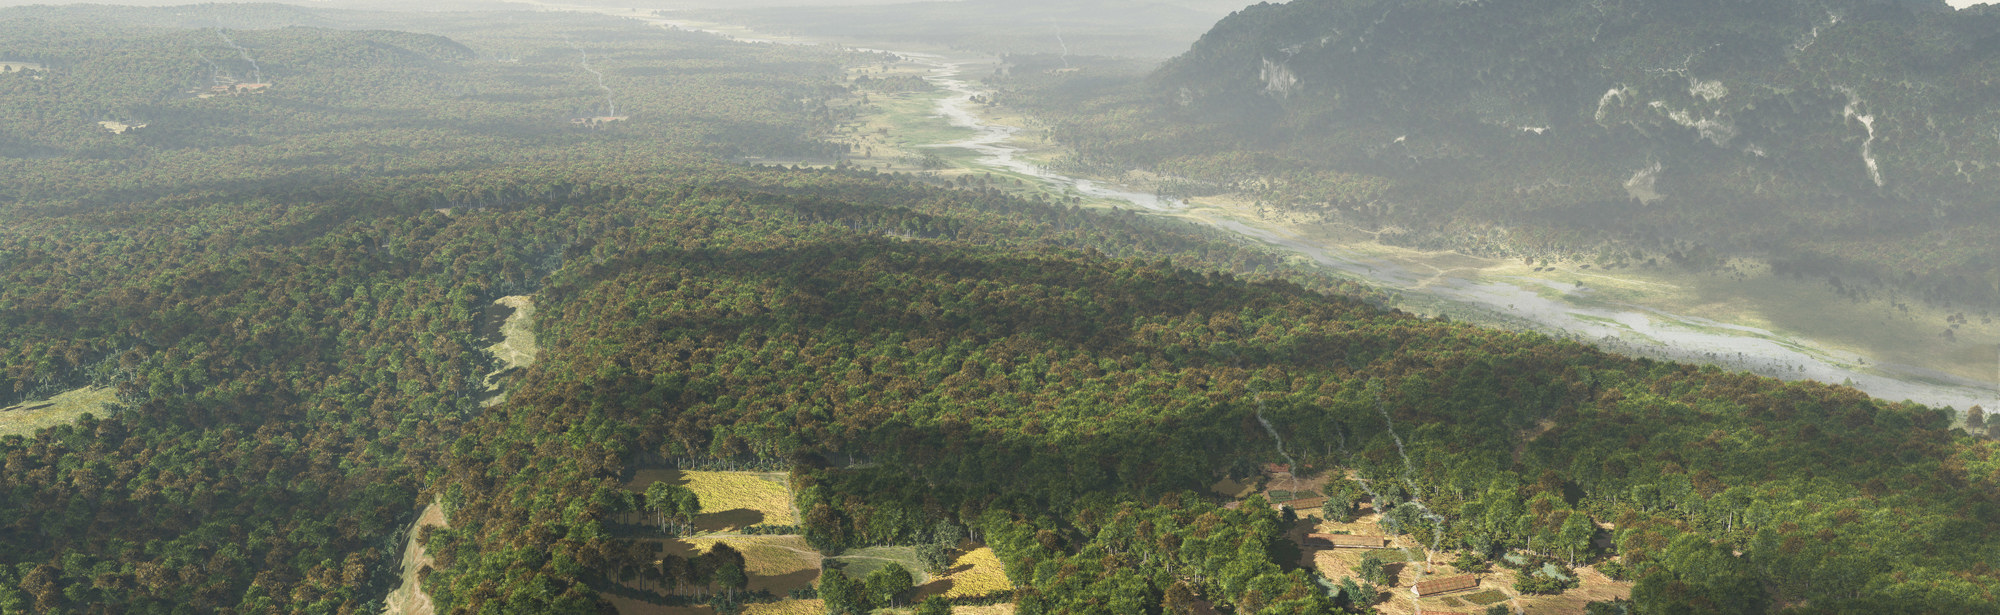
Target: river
x,y
1539,304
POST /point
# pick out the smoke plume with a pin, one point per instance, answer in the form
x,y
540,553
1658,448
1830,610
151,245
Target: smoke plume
x,y
256,72
610,103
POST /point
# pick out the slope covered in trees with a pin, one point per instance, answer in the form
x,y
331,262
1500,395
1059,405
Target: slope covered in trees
x,y
1114,390
293,333
1834,136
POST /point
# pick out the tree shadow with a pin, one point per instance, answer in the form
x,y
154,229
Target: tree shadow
x,y
728,520
784,583
937,587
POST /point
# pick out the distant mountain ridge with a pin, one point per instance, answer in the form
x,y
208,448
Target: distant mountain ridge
x,y
1845,119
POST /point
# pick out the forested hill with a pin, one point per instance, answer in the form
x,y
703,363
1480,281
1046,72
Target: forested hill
x,y
1820,131
278,295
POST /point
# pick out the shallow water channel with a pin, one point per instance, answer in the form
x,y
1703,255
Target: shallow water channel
x,y
1534,303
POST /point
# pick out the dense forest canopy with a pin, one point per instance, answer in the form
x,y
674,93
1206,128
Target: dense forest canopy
x,y
286,287
1847,137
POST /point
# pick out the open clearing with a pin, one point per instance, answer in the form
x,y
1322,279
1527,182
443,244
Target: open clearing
x,y
512,321
736,500
860,562
974,573
730,500
409,597
25,418
778,564
1405,562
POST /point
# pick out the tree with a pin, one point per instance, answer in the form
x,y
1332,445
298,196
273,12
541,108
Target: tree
x,y
726,568
731,578
888,582
1341,502
1499,609
1975,418
687,504
1372,571
843,595
825,530
1179,600
1576,533
934,605
660,502
936,557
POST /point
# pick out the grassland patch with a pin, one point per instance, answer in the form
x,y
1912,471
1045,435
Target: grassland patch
x,y
860,562
62,409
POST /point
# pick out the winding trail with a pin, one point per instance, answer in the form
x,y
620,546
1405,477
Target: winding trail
x,y
1535,303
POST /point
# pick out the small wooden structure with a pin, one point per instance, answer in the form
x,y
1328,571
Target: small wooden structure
x,y
1445,585
1346,541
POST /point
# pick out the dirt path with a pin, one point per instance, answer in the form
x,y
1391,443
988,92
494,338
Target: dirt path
x,y
409,598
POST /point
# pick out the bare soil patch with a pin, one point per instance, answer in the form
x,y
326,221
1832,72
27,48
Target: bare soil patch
x,y
409,597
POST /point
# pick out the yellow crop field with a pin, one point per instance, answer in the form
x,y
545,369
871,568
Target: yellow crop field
x,y
786,607
729,500
974,573
775,563
977,573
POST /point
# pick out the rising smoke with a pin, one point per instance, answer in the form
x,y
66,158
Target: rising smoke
x,y
1415,498
214,72
256,72
610,103
1059,41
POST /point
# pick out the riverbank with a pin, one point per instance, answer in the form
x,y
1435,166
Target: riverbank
x,y
1761,325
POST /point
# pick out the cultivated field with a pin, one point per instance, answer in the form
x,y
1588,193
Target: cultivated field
x,y
974,573
1404,560
778,564
730,501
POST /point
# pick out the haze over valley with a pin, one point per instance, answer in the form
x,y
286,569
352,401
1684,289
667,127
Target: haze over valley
x,y
1156,307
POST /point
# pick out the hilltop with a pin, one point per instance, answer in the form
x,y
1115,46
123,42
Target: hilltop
x,y
1850,138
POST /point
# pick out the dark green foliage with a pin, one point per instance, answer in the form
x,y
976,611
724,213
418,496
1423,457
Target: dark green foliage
x,y
934,605
1616,606
1610,133
888,583
1541,580
843,596
1372,571
295,341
